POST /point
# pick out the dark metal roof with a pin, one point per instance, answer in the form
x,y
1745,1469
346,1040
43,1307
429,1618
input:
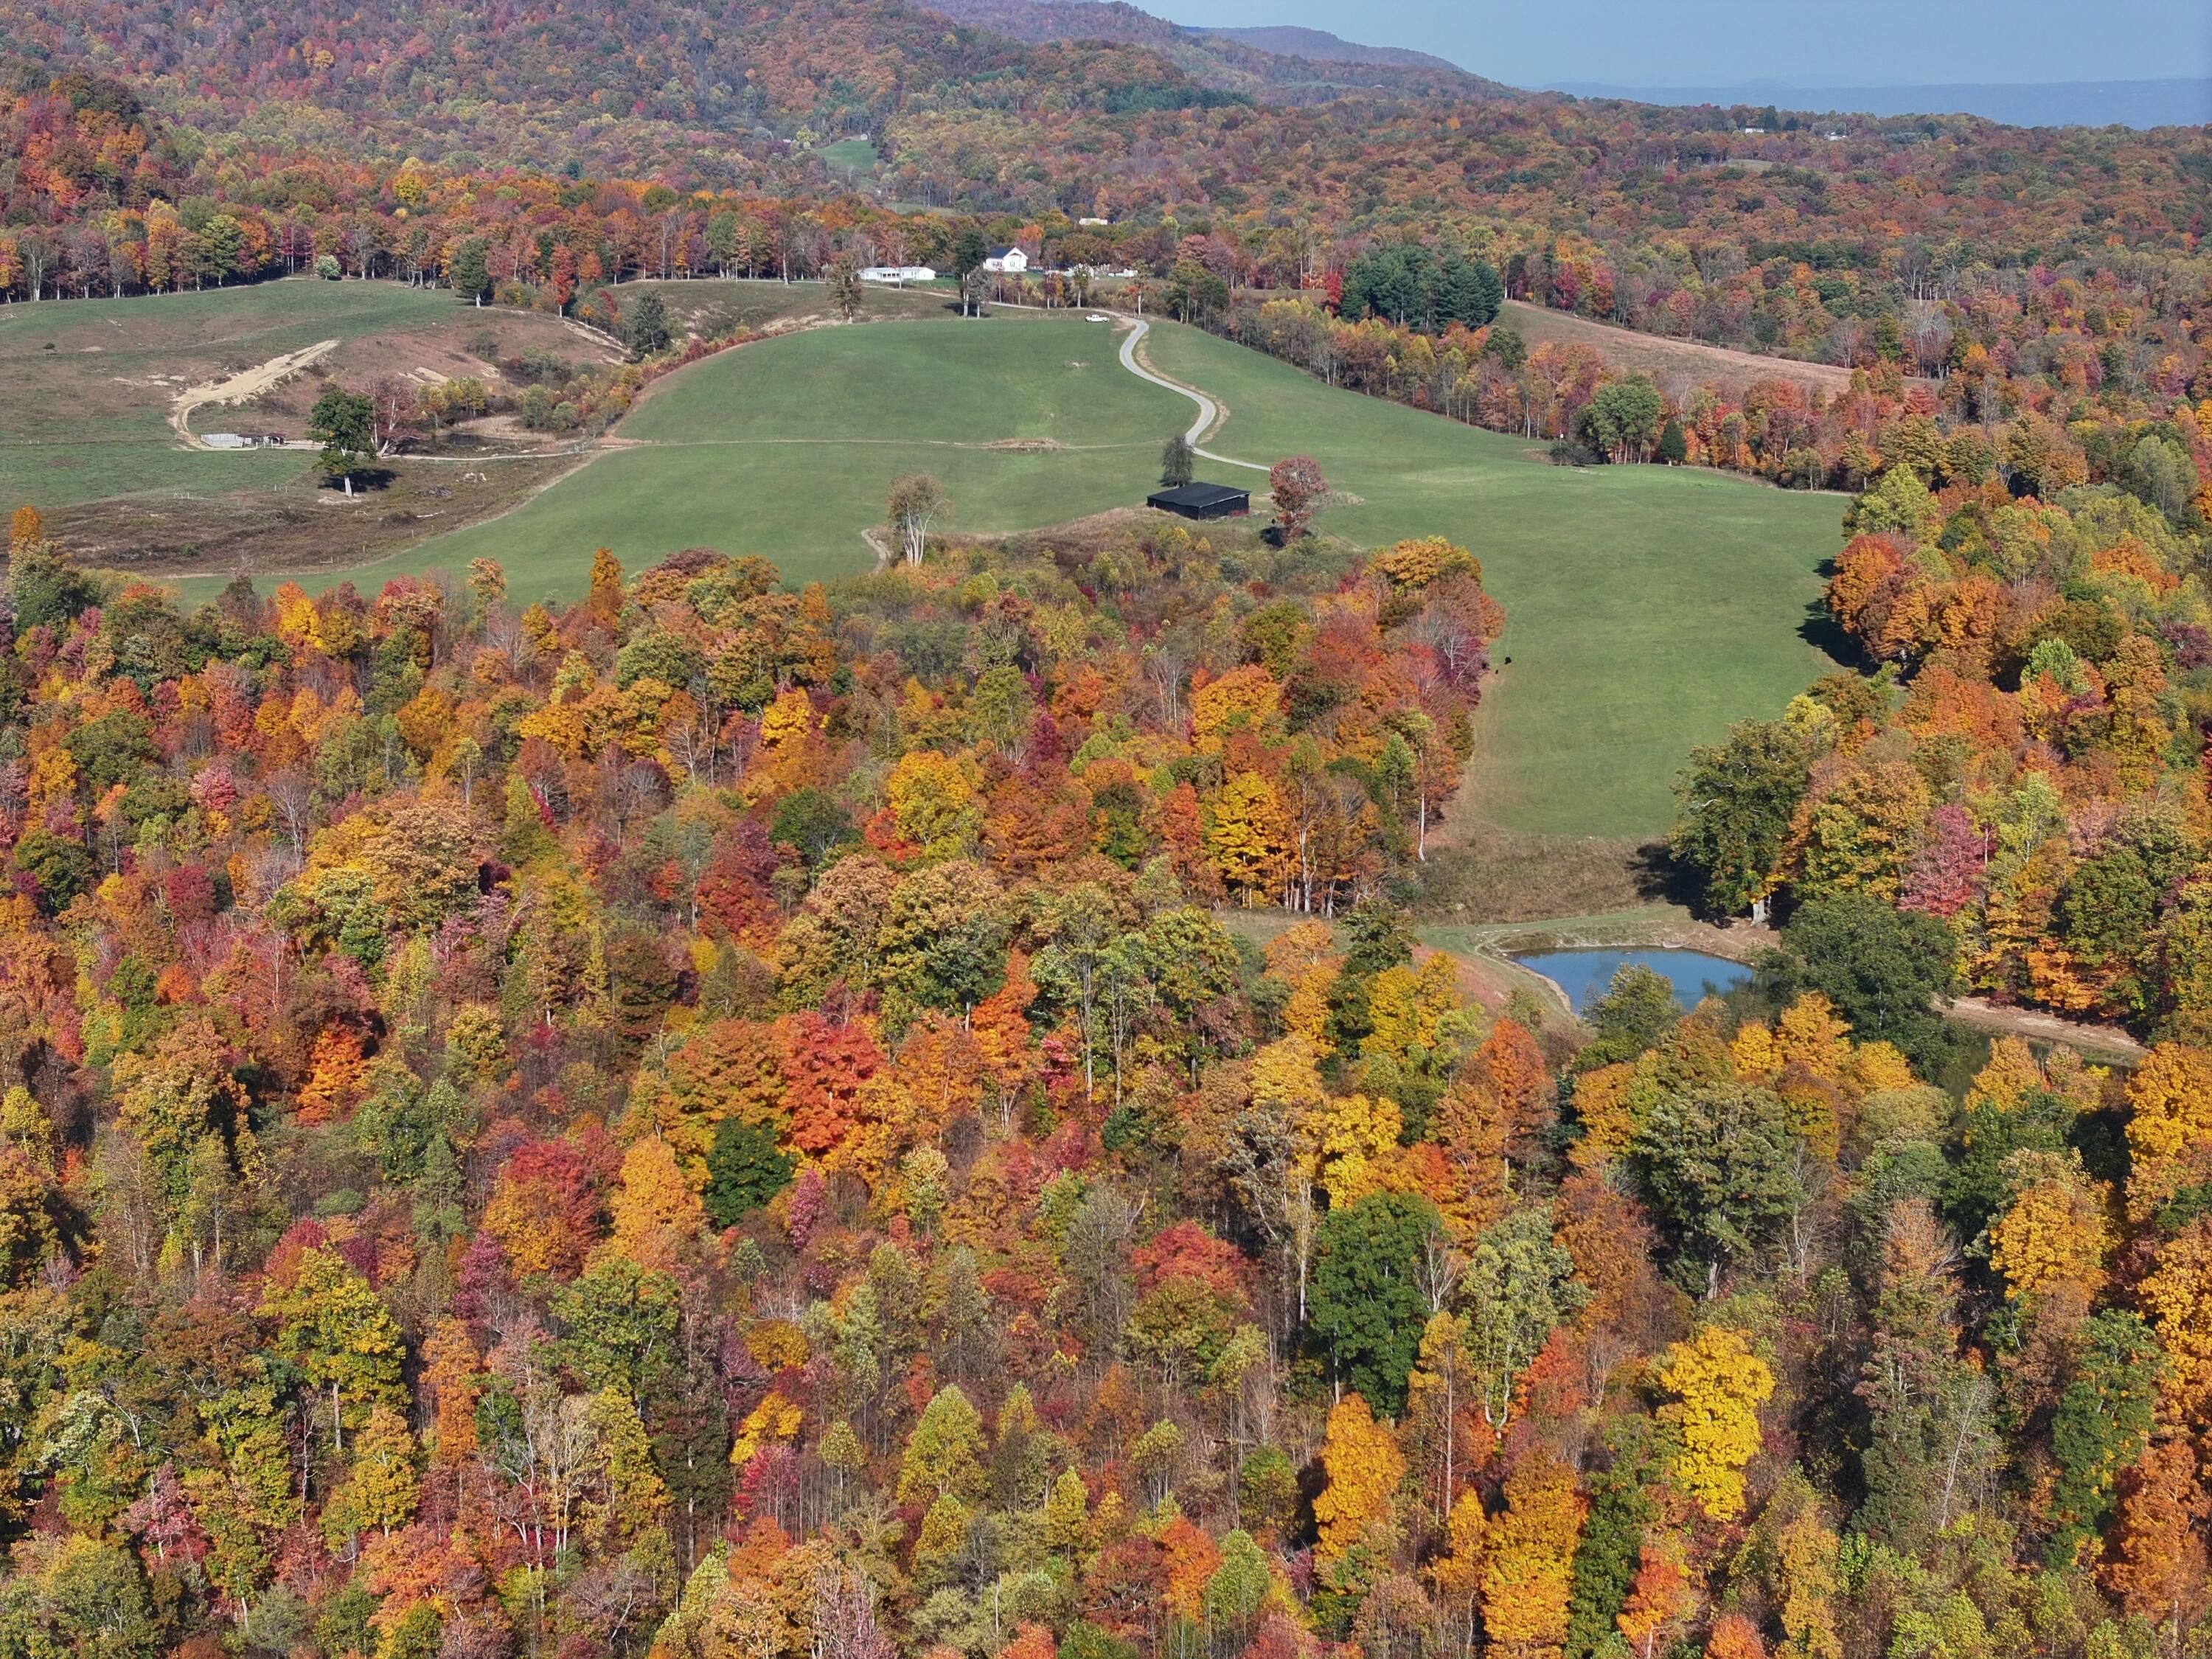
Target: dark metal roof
x,y
1198,495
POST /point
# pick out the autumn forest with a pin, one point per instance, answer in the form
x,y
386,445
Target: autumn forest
x,y
716,1118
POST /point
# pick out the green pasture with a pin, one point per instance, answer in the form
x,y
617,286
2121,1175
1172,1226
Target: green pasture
x,y
85,385
849,155
1648,608
786,449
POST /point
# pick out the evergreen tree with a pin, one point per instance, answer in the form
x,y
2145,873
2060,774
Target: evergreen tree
x,y
1612,1541
645,328
745,1168
469,270
2102,1424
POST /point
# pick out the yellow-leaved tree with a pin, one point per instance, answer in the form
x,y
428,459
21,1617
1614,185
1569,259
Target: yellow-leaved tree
x,y
1349,1138
1529,1558
936,802
655,1210
1245,836
1304,958
2169,1124
2178,1296
1718,1386
1362,1466
2055,1229
1456,1572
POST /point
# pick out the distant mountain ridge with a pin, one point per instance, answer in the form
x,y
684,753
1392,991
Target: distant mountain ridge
x,y
2144,103
1319,46
1270,65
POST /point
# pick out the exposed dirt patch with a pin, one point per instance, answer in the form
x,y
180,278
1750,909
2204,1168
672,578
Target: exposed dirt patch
x,y
1028,447
2100,1042
245,384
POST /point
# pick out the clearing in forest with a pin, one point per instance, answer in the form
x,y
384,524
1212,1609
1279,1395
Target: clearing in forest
x,y
1675,366
243,387
786,448
1651,606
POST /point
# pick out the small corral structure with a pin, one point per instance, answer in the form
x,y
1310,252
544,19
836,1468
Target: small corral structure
x,y
1202,501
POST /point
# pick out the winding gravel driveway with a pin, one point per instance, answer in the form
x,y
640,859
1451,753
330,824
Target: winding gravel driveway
x,y
1209,412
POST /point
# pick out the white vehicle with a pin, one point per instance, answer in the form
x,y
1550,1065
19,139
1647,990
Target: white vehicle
x,y
1098,317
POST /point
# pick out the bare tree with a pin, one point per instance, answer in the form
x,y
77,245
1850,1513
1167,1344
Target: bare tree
x,y
917,502
294,798
845,1625
395,404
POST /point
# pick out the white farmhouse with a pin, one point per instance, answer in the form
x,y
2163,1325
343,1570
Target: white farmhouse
x,y
1010,261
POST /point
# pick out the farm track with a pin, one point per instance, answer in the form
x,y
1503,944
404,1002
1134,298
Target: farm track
x,y
237,388
1211,413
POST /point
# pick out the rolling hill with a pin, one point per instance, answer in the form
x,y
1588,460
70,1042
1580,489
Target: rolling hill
x,y
1270,65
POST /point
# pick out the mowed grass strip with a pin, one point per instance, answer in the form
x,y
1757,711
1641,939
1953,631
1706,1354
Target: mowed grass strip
x,y
1649,607
786,449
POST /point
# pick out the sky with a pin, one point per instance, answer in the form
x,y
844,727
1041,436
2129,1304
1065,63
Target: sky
x,y
1798,43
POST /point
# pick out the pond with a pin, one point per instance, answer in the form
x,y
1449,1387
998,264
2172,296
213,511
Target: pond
x,y
1584,974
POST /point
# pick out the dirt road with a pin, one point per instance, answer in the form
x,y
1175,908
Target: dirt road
x,y
246,383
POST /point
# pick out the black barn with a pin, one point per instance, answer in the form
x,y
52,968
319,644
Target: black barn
x,y
1202,501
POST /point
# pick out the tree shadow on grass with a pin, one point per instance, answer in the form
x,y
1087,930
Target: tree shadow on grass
x,y
1826,634
1662,878
369,478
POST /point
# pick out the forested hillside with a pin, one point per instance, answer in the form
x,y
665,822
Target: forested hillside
x,y
714,1121
662,87
2022,765
911,1116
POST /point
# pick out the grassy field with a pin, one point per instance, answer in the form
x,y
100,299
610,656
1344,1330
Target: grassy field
x,y
785,449
87,390
85,385
1649,607
849,156
1668,361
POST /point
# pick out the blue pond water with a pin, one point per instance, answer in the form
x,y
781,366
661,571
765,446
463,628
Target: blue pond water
x,y
1584,975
